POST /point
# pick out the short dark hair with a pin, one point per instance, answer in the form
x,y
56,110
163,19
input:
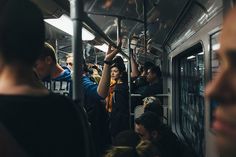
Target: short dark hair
x,y
150,121
118,62
126,138
156,70
22,31
48,50
147,65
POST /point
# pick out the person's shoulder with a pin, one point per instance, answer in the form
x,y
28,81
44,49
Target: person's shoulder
x,y
121,86
64,76
169,135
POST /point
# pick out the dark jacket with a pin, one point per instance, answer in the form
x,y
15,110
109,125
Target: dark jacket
x,y
119,119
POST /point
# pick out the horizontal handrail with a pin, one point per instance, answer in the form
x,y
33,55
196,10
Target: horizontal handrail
x,y
159,95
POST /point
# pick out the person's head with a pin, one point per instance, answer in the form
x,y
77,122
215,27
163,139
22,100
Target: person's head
x,y
126,138
69,62
118,72
46,61
222,89
121,151
145,67
146,149
147,126
153,74
153,104
22,32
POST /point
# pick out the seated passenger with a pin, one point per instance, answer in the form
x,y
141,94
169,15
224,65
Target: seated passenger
x,y
153,104
150,127
43,124
126,138
143,149
55,78
146,149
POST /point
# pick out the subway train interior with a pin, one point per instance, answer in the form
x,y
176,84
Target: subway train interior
x,y
179,36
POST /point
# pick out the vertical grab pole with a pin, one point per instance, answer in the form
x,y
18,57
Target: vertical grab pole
x,y
77,49
77,11
129,83
145,27
57,50
118,30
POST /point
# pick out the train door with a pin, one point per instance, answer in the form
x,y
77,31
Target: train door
x,y
189,82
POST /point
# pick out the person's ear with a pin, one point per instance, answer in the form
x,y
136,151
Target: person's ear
x,y
154,134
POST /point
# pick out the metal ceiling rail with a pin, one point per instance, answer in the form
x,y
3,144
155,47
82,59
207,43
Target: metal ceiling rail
x,y
177,21
98,30
118,16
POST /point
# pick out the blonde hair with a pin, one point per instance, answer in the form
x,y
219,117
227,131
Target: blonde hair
x,y
144,149
120,151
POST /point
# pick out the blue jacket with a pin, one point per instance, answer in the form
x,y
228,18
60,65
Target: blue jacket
x,y
62,84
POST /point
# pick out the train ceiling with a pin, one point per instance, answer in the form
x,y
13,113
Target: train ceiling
x,y
165,18
162,15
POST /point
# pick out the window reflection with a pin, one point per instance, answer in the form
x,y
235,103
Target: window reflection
x,y
192,100
214,47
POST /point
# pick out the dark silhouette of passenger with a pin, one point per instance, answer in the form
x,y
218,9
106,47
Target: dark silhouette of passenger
x,y
150,127
8,145
42,123
126,138
222,89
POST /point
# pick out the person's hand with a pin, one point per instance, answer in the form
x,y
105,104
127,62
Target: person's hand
x,y
111,53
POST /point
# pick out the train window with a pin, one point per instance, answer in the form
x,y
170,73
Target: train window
x,y
191,100
214,47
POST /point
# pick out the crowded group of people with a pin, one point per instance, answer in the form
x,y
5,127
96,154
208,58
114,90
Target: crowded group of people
x,y
37,121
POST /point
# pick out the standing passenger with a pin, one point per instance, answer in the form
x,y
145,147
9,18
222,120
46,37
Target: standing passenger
x,y
223,89
93,95
154,82
119,117
43,124
69,62
55,78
